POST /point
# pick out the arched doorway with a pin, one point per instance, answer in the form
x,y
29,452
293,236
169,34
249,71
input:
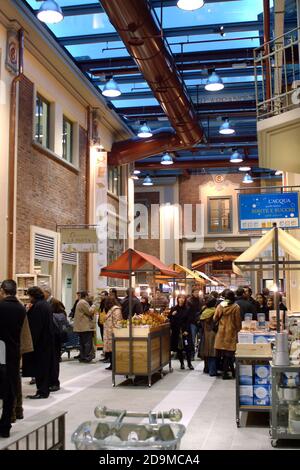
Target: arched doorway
x,y
219,265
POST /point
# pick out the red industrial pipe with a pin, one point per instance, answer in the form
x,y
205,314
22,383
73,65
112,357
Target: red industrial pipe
x,y
134,21
134,149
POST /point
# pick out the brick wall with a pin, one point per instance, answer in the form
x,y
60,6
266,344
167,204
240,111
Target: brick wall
x,y
48,193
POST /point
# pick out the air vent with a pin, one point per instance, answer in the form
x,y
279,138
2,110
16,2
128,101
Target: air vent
x,y
44,247
69,258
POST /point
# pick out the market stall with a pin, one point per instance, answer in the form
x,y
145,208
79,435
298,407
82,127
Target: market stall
x,y
261,372
141,347
185,276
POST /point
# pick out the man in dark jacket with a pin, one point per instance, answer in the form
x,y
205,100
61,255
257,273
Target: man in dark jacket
x,y
248,294
38,363
194,305
12,315
136,305
244,304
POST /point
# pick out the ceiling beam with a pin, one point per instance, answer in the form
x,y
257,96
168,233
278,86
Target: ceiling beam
x,y
202,74
234,88
234,114
227,55
180,31
204,107
192,164
95,8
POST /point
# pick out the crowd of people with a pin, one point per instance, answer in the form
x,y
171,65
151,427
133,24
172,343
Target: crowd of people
x,y
33,336
211,325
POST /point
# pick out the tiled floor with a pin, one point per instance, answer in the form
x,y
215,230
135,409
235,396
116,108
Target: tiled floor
x,y
208,404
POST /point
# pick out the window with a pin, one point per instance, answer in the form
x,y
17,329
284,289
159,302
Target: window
x,y
219,215
115,248
42,121
115,180
67,140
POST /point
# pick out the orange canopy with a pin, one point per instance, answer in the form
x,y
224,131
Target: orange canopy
x,y
121,267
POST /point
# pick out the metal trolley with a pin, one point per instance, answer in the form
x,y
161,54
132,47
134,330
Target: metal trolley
x,y
281,424
116,435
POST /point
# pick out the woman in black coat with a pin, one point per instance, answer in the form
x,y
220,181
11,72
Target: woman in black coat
x,y
181,334
38,363
61,326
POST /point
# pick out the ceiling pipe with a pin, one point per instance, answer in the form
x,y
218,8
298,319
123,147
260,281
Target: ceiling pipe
x,y
134,149
136,25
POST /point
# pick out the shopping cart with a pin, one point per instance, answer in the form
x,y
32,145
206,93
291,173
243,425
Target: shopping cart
x,y
116,435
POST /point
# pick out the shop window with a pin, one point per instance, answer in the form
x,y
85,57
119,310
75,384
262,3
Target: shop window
x,y
42,121
219,215
115,180
115,247
67,140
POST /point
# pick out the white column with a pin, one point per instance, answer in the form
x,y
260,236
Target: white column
x,y
293,277
130,213
98,198
5,87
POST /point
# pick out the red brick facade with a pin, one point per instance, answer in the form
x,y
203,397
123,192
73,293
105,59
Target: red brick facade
x,y
48,193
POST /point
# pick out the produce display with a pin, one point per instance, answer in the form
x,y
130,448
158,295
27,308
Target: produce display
x,y
147,319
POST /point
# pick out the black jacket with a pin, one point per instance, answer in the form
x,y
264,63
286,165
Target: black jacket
x,y
180,322
195,306
12,315
136,307
40,320
246,307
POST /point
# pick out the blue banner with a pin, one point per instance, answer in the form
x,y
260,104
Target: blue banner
x,y
261,211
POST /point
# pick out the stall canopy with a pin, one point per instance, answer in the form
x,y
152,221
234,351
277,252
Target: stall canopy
x,y
133,260
210,279
182,273
287,242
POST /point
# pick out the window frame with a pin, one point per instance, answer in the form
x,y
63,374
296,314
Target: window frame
x,y
64,155
209,226
115,187
37,120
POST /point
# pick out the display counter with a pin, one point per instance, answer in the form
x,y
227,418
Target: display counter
x,y
145,353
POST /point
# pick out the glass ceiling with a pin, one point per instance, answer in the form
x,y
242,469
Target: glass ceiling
x,y
92,37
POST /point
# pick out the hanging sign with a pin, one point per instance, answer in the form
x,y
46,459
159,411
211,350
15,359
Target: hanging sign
x,y
79,240
261,211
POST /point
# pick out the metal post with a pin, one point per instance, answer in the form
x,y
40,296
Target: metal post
x,y
267,37
298,18
130,314
276,275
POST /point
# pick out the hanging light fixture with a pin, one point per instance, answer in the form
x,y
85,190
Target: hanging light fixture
x,y
111,89
147,181
226,128
136,172
247,179
214,82
244,168
236,157
190,4
50,12
279,173
133,176
144,131
166,159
